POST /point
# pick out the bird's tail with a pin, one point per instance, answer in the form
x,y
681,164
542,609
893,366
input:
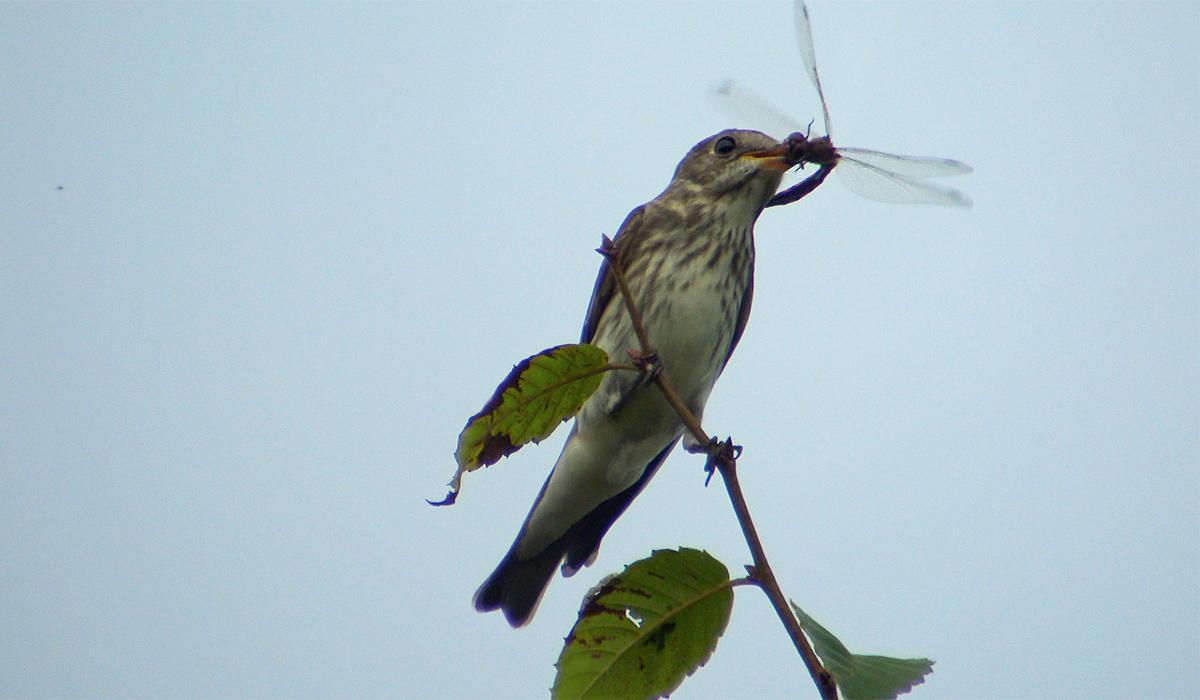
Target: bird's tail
x,y
517,585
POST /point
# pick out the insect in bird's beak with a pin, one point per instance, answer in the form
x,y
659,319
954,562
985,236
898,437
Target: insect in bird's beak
x,y
818,151
798,149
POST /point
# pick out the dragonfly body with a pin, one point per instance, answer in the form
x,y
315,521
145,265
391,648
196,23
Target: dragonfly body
x,y
801,149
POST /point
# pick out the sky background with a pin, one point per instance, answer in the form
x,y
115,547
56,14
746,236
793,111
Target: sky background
x,y
259,263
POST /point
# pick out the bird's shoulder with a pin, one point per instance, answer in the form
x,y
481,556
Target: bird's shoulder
x,y
628,237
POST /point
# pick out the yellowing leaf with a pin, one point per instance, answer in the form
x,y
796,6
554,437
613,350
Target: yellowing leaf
x,y
538,394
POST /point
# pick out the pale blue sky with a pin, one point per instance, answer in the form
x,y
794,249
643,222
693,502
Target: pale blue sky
x,y
297,245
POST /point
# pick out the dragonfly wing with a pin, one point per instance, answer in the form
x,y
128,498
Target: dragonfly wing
x,y
742,104
874,182
809,55
912,166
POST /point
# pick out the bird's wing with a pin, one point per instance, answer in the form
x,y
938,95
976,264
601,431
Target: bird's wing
x,y
606,284
743,316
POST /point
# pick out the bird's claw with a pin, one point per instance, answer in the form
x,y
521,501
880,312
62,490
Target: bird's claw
x,y
720,454
648,363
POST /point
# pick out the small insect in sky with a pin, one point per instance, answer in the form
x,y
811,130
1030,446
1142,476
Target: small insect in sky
x,y
884,177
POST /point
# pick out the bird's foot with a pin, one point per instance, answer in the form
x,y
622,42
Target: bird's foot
x,y
721,455
648,363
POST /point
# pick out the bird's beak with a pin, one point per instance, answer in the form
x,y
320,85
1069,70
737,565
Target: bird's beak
x,y
777,158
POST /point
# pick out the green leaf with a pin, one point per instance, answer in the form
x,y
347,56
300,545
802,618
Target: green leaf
x,y
538,394
642,632
863,677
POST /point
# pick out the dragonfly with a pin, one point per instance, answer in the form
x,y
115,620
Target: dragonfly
x,y
884,177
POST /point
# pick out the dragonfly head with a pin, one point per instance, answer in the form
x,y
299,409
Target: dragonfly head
x,y
819,150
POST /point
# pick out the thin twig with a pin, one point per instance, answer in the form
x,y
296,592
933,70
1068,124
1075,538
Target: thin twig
x,y
765,577
724,455
609,251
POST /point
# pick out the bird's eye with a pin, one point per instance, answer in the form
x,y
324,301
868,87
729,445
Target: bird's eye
x,y
724,146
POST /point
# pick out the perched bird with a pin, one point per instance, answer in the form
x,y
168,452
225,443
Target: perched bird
x,y
689,258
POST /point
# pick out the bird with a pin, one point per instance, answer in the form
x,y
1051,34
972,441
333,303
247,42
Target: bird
x,y
688,256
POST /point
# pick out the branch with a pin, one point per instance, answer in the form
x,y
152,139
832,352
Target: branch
x,y
761,573
609,251
724,456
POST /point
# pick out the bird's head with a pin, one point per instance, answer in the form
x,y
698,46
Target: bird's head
x,y
743,164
